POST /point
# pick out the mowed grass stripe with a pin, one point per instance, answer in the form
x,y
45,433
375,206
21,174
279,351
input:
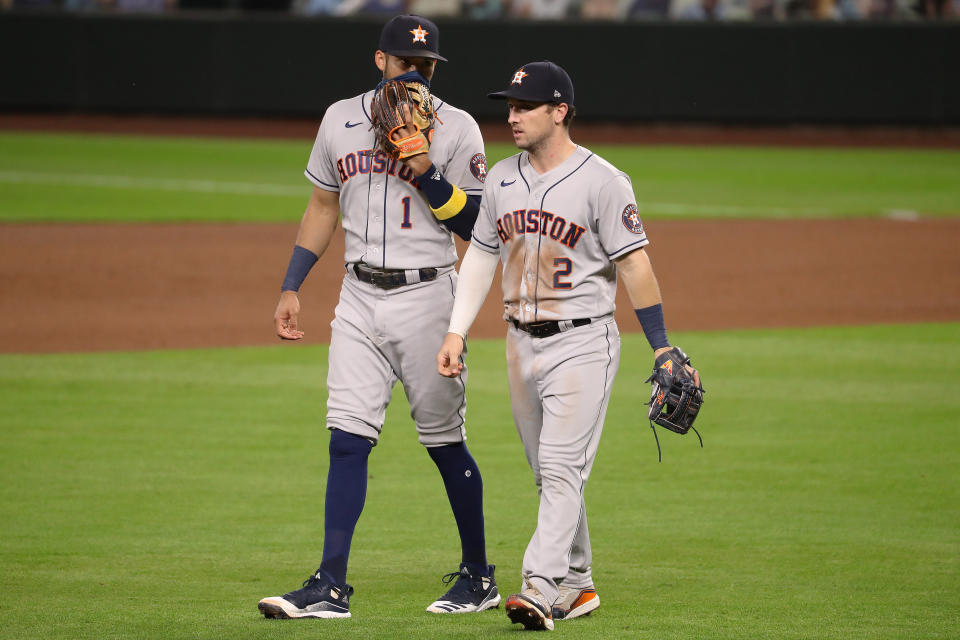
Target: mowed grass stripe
x,y
149,184
212,186
161,494
82,177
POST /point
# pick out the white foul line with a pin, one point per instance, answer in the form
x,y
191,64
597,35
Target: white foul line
x,y
261,189
680,209
161,184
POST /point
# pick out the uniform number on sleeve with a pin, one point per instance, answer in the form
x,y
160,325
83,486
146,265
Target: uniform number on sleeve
x,y
406,213
564,267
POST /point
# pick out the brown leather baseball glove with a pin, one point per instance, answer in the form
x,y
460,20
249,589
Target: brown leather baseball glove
x,y
403,104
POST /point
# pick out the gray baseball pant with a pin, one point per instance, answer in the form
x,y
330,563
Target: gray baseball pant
x,y
560,389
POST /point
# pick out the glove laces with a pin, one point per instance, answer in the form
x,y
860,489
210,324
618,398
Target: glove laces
x,y
653,428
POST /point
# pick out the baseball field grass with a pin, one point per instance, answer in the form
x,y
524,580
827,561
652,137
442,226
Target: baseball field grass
x,y
105,178
161,494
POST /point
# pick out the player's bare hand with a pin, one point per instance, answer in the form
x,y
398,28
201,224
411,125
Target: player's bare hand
x,y
448,359
285,318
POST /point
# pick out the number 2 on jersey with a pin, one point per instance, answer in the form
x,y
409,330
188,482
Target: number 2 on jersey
x,y
406,224
562,271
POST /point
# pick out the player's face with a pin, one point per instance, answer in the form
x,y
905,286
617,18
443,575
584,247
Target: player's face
x,y
532,123
393,66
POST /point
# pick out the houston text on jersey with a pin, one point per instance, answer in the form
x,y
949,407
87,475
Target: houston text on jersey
x,y
524,221
364,161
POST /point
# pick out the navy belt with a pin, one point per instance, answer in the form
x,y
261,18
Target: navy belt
x,y
393,278
550,327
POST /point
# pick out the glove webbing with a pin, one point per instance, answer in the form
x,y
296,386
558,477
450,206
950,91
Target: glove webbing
x,y
682,406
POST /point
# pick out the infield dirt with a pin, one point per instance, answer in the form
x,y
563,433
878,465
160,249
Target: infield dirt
x,y
120,287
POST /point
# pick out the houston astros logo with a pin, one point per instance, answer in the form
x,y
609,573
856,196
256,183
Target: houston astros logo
x,y
518,77
631,219
478,167
419,35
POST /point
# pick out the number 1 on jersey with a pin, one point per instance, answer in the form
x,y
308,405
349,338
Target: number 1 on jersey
x,y
406,224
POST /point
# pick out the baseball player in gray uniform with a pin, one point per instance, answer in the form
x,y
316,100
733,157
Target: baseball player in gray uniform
x,y
564,224
394,308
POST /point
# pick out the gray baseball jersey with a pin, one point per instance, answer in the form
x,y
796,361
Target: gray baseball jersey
x,y
557,235
380,336
387,222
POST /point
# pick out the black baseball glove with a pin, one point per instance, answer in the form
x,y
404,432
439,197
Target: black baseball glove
x,y
677,394
391,105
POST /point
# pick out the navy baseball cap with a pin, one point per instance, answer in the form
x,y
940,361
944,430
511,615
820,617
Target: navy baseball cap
x,y
538,82
411,35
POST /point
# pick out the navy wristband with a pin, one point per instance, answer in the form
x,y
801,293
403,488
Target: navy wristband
x,y
301,262
651,319
435,187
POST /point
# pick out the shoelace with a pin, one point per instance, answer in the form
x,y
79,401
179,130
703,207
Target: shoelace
x,y
476,583
314,580
311,581
450,577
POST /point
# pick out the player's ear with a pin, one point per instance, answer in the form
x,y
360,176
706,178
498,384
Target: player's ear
x,y
380,59
560,112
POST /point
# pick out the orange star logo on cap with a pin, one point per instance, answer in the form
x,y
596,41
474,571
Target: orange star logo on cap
x,y
419,34
518,77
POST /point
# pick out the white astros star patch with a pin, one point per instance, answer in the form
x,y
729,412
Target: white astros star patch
x,y
419,34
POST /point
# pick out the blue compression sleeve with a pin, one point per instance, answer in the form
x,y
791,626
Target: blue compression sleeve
x,y
301,262
462,223
454,209
435,187
654,327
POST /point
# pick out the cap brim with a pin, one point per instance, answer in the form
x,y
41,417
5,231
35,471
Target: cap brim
x,y
513,92
417,53
518,93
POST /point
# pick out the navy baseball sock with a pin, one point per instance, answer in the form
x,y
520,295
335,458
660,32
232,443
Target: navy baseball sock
x,y
461,477
346,493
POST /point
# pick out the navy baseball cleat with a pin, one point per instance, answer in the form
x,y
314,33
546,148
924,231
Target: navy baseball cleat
x,y
530,609
471,592
318,598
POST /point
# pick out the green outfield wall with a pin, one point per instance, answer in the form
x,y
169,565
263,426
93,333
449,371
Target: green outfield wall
x,y
776,73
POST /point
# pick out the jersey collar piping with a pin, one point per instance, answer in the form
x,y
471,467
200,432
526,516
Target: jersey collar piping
x,y
363,105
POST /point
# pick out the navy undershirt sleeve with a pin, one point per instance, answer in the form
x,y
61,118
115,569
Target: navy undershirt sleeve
x,y
462,223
